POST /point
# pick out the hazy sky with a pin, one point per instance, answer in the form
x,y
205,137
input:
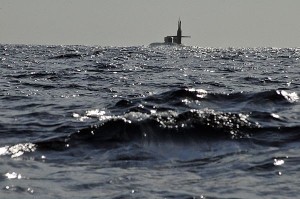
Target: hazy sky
x,y
211,23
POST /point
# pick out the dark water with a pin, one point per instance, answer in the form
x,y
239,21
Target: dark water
x,y
143,122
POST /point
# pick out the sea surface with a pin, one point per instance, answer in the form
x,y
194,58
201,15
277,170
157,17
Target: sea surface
x,y
149,122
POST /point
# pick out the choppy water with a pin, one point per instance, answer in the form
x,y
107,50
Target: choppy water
x,y
149,122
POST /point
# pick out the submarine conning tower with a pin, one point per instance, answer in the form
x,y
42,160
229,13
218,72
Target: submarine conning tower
x,y
176,39
179,33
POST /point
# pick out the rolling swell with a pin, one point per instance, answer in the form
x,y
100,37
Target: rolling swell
x,y
167,117
158,128
184,116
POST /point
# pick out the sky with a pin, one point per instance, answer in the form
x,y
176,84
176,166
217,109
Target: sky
x,y
210,23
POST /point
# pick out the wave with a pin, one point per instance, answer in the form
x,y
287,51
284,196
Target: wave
x,y
67,56
167,117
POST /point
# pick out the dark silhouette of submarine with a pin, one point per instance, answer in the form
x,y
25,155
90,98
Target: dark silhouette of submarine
x,y
173,40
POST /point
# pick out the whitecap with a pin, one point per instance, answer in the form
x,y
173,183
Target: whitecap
x,y
291,97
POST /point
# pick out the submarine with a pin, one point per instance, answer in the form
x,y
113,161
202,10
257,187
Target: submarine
x,y
172,40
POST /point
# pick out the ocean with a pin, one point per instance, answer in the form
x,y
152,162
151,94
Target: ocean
x,y
149,122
